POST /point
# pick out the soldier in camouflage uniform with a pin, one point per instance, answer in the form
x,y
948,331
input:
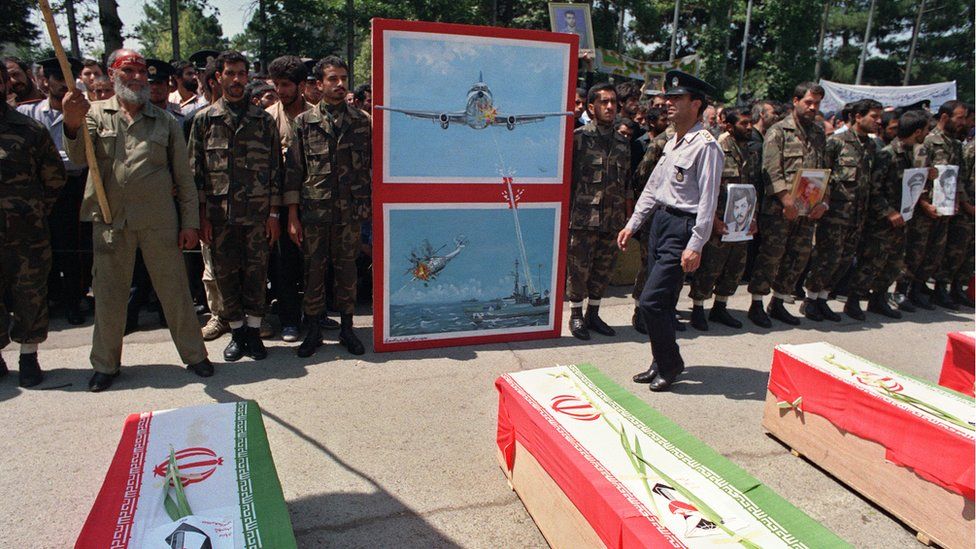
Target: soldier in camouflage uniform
x,y
601,175
882,247
849,157
722,263
31,175
957,262
328,194
235,153
793,143
927,229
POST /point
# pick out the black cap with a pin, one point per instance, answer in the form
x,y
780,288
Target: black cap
x,y
310,65
679,83
158,70
52,67
922,105
201,58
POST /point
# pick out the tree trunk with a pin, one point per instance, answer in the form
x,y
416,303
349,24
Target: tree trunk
x,y
108,18
69,8
174,23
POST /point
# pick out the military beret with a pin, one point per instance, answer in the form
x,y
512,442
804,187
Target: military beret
x,y
201,58
158,70
52,67
679,83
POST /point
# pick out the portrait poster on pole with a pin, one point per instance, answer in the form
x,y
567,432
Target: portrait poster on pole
x,y
472,145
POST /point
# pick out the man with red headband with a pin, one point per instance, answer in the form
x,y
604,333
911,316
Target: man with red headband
x,y
142,158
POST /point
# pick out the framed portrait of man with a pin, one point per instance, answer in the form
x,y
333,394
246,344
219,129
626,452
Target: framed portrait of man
x,y
912,185
573,19
809,188
944,189
740,207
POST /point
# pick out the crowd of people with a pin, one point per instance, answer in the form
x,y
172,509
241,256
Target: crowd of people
x,y
239,194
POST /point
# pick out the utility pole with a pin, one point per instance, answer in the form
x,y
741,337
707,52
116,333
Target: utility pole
x,y
911,49
174,26
745,47
820,43
864,46
69,8
350,41
674,30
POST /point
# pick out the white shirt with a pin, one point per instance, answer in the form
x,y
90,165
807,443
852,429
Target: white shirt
x,y
52,120
687,177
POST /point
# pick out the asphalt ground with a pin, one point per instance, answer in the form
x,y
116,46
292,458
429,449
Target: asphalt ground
x,y
398,449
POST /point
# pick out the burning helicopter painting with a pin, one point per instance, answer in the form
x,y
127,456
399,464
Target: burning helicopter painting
x,y
425,264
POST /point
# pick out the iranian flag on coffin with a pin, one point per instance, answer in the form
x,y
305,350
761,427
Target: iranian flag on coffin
x,y
228,476
637,478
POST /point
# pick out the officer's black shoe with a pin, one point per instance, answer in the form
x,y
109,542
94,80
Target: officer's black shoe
x,y
878,304
661,383
347,337
255,347
777,310
30,370
73,314
811,310
959,296
648,375
637,321
758,315
101,381
826,312
3,367
204,368
720,313
903,304
327,323
698,321
678,325
941,298
577,327
918,298
595,323
237,347
312,341
853,307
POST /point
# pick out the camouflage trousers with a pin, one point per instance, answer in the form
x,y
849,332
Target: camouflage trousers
x,y
783,254
240,264
925,245
721,268
323,244
880,258
957,262
833,252
24,268
590,257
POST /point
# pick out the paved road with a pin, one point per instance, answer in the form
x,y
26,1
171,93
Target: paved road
x,y
398,449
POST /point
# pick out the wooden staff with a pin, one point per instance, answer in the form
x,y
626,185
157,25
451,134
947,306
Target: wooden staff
x,y
69,79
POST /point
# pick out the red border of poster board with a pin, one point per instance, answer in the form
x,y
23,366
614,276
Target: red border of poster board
x,y
434,193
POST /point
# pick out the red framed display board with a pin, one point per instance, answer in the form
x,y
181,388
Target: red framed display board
x,y
472,145
959,362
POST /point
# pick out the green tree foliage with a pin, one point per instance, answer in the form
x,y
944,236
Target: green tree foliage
x,y
16,26
199,29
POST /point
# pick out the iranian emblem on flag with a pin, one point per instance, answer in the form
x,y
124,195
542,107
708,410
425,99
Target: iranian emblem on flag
x,y
195,465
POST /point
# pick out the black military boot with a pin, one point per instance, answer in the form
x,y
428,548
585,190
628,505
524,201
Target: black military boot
x,y
347,337
73,313
637,321
30,370
131,318
825,311
313,338
959,296
811,310
853,307
595,323
577,326
941,298
327,323
758,315
3,367
878,304
255,346
720,313
918,298
777,310
237,347
698,321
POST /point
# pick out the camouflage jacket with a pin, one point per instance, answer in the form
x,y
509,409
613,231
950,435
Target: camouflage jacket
x,y
941,148
787,148
653,153
967,173
850,160
885,191
601,174
236,161
31,175
737,168
329,165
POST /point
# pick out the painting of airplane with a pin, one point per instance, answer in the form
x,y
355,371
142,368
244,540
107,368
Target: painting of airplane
x,y
426,264
479,113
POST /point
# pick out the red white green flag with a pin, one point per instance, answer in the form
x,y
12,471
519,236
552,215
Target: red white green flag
x,y
226,471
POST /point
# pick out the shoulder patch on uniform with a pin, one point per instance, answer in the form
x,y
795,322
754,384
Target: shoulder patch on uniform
x,y
707,136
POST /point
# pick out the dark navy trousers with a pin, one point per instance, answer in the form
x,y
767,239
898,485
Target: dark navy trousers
x,y
668,235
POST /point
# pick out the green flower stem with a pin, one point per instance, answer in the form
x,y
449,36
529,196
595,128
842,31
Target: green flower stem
x,y
176,504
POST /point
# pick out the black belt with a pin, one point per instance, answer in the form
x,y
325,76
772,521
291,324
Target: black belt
x,y
680,213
